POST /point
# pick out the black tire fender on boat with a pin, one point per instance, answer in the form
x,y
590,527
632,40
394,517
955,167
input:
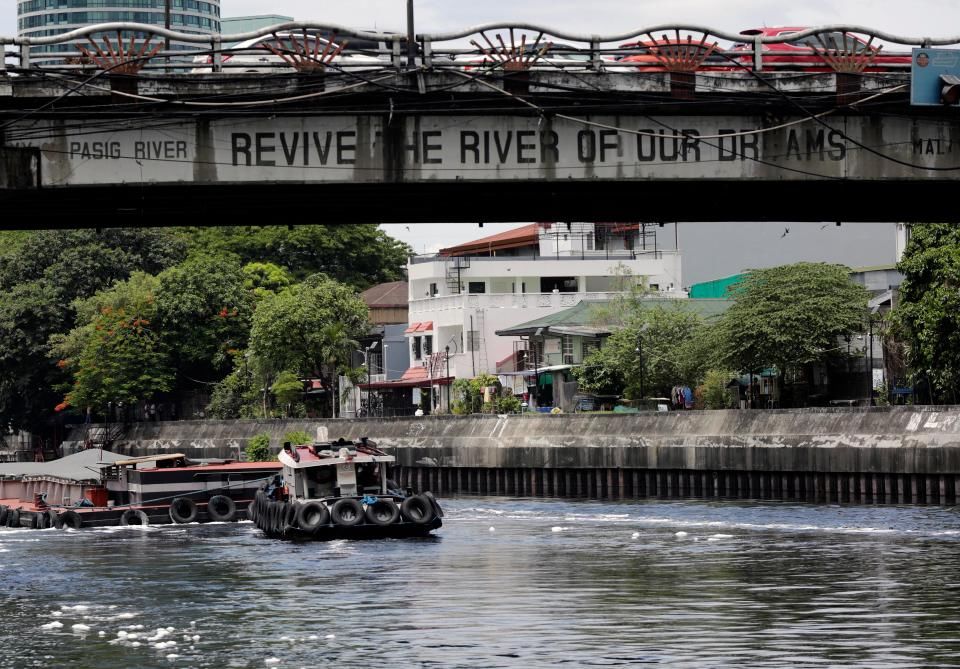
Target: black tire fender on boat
x,y
312,516
183,510
417,510
53,519
134,517
383,512
71,519
290,518
433,501
252,510
13,520
40,520
221,509
280,518
346,512
4,513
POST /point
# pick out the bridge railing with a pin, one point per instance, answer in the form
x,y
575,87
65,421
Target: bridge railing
x,y
488,48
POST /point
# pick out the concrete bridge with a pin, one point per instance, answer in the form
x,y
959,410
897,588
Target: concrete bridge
x,y
440,143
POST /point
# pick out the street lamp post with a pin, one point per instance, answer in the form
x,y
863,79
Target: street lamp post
x,y
446,350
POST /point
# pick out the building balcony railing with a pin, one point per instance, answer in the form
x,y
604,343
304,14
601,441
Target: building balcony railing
x,y
568,254
506,301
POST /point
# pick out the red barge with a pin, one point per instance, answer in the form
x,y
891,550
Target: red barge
x,y
79,491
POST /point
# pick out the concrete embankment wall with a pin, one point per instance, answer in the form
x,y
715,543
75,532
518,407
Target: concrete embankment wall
x,y
903,454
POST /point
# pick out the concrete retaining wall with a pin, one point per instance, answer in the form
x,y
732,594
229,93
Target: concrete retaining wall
x,y
798,454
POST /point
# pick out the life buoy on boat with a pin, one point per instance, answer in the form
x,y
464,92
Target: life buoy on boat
x,y
221,509
183,510
346,512
383,512
71,519
417,510
312,516
134,517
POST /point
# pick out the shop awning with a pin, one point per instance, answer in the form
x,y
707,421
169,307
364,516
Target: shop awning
x,y
414,377
424,326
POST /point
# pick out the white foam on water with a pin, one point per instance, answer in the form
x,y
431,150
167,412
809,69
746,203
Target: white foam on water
x,y
312,637
681,533
125,616
635,535
56,624
80,627
558,528
78,607
135,644
101,633
195,637
56,614
492,529
330,636
271,661
172,656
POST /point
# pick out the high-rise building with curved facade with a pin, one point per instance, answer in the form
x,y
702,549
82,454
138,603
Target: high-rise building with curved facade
x,y
40,18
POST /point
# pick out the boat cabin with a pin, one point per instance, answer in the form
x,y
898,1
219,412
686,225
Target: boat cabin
x,y
335,469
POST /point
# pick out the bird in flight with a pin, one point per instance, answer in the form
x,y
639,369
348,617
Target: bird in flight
x,y
786,231
407,227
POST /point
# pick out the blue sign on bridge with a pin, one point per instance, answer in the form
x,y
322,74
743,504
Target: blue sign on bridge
x,y
927,73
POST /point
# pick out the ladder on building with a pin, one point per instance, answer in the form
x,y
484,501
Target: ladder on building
x,y
455,265
480,343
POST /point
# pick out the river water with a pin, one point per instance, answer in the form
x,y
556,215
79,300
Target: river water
x,y
504,583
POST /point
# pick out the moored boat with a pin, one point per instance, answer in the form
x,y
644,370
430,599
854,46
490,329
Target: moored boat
x,y
341,490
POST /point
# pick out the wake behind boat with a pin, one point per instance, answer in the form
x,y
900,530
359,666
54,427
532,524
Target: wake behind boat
x,y
340,490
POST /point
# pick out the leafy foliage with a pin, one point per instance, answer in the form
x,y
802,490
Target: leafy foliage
x,y
287,389
310,329
359,255
714,390
204,312
258,449
467,394
666,340
116,355
298,437
928,316
29,314
789,315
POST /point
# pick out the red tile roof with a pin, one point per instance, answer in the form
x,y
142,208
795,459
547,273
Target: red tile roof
x,y
526,235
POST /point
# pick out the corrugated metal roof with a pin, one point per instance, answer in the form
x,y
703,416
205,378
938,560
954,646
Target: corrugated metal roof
x,y
523,236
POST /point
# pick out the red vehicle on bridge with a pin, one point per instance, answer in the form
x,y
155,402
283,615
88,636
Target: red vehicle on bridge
x,y
807,53
664,55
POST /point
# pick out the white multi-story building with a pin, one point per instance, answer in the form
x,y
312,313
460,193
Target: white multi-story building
x,y
461,296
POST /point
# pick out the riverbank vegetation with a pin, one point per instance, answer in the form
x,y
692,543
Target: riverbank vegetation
x,y
105,321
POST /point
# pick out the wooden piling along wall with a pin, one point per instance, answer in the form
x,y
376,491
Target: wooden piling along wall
x,y
823,487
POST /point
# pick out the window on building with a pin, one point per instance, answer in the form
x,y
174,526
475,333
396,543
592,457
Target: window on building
x,y
567,343
476,287
415,348
427,345
654,286
587,346
433,289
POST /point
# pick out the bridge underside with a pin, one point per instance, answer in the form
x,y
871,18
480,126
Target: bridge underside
x,y
224,204
621,148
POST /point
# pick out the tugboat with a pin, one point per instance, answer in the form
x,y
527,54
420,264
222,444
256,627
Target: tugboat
x,y
340,490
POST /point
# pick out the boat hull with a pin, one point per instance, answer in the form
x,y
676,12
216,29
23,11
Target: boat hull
x,y
277,520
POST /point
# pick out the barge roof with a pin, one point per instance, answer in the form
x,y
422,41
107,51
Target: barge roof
x,y
81,466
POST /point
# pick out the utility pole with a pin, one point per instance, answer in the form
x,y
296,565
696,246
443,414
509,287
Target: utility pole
x,y
166,24
411,37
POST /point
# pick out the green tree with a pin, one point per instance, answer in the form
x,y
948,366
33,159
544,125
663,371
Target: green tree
x,y
115,354
288,390
265,278
204,311
82,262
360,255
30,313
666,340
927,319
714,390
311,329
789,315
